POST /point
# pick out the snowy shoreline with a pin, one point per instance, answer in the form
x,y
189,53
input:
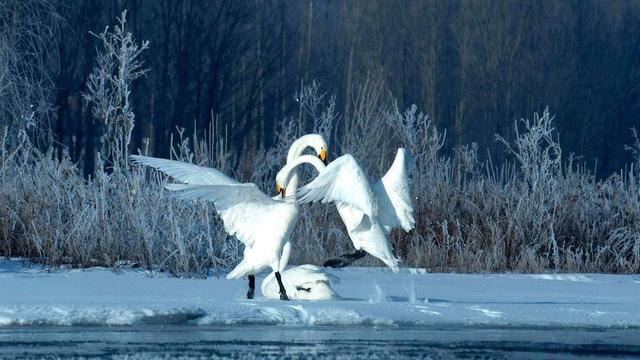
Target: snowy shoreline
x,y
371,297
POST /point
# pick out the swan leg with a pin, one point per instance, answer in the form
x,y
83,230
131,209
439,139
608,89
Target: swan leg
x,y
252,286
345,260
283,292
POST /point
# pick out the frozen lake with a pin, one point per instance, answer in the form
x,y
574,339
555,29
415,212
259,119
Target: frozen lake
x,y
371,297
101,313
293,342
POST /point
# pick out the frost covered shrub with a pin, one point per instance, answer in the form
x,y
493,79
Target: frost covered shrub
x,y
539,213
109,87
51,214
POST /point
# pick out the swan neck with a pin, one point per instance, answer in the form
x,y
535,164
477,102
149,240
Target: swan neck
x,y
297,148
290,171
292,186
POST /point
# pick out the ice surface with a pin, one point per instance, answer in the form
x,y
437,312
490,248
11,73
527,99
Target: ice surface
x,y
370,296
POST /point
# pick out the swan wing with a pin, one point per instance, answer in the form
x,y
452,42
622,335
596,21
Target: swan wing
x,y
185,172
394,195
242,207
371,238
343,181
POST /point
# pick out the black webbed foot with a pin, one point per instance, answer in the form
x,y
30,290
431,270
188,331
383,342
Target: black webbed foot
x,y
283,292
345,260
252,287
334,263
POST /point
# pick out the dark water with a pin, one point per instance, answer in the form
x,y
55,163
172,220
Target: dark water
x,y
278,342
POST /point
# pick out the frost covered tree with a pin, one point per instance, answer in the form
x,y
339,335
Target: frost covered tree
x,y
27,66
109,87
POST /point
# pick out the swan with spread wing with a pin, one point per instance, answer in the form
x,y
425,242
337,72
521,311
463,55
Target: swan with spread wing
x,y
388,200
262,223
392,194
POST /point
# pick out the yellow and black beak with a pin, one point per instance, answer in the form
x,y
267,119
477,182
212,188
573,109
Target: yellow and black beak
x,y
280,190
323,156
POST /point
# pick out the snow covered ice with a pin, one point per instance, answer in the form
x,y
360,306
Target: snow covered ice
x,y
369,297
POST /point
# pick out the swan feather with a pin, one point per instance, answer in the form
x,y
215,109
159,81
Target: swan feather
x,y
394,196
185,172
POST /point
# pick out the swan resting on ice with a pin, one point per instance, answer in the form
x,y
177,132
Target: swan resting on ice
x,y
304,282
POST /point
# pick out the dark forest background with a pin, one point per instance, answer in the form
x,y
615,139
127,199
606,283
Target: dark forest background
x,y
473,66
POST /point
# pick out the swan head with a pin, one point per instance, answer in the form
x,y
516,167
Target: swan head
x,y
315,141
280,190
323,154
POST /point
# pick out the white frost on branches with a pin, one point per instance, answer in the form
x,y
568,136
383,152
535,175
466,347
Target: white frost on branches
x,y
109,86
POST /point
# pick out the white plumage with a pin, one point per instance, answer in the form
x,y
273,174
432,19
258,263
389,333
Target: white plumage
x,y
342,182
263,224
368,212
304,282
185,172
394,195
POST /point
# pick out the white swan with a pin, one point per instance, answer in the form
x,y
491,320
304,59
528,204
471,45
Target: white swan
x,y
263,224
389,197
392,195
304,282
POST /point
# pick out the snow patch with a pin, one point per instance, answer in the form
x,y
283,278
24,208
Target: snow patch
x,y
416,271
427,310
563,277
56,315
487,312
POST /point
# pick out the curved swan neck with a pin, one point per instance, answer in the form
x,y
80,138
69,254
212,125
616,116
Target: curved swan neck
x,y
299,146
295,150
289,171
292,185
